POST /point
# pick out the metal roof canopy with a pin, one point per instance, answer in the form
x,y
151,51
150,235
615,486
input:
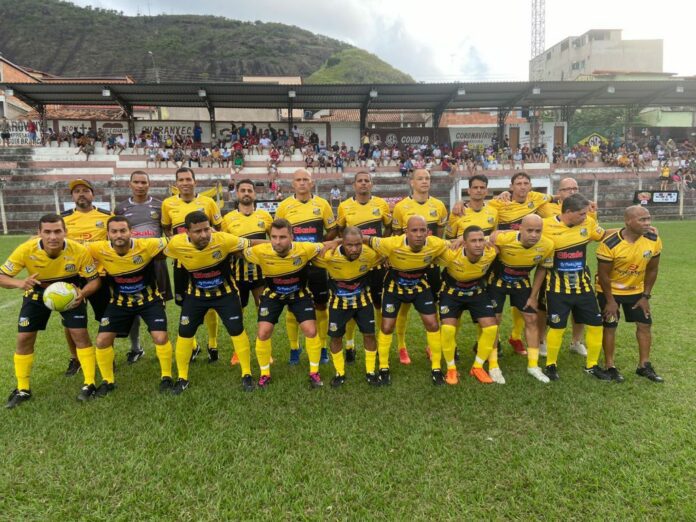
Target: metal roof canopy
x,y
426,97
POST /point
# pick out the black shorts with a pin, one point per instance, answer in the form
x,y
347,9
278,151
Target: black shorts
x,y
33,316
5,135
318,284
301,307
626,302
376,285
119,319
479,306
162,276
583,306
542,300
433,275
228,307
518,298
181,282
424,302
99,300
245,287
364,317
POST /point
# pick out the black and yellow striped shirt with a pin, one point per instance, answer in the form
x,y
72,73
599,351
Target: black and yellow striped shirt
x,y
253,226
461,277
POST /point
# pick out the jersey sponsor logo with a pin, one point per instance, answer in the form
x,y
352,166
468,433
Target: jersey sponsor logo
x,y
24,321
104,321
154,214
363,268
369,231
70,268
138,260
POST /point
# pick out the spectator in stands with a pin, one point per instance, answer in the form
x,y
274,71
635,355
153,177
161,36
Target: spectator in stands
x,y
338,163
178,156
163,156
265,144
295,134
31,130
215,157
226,157
5,132
445,165
85,145
194,157
335,196
152,154
121,144
197,136
664,176
110,144
309,158
688,180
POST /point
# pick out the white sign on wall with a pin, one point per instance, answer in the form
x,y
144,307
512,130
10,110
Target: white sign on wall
x,y
113,128
71,125
184,128
472,135
19,134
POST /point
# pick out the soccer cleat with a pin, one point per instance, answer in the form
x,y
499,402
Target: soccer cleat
x,y
134,356
517,346
196,352
614,374
579,348
324,359
384,376
315,380
437,377
338,381
452,377
234,361
212,355
17,397
403,356
538,374
87,392
542,350
73,367
180,387
480,374
264,381
372,379
597,372
295,357
497,375
166,385
104,389
648,372
350,355
247,383
428,353
551,372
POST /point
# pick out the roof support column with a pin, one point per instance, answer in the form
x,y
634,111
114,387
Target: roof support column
x,y
363,119
213,126
502,116
41,109
291,121
437,117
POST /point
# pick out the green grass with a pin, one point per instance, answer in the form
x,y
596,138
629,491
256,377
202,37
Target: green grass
x,y
577,449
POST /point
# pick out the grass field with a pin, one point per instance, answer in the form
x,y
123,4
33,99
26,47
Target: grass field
x,y
577,449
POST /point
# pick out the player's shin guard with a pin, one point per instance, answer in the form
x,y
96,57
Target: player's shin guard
x,y
485,347
593,339
433,340
400,328
314,353
554,338
23,364
339,362
532,357
164,356
184,348
370,361
243,350
293,330
350,334
212,323
383,348
263,355
448,335
517,324
105,361
88,363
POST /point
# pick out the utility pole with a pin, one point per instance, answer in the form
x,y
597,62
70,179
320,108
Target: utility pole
x,y
538,46
157,80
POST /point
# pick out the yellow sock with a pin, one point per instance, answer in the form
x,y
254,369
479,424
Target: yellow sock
x,y
105,361
448,334
593,339
243,350
532,357
378,322
88,362
314,353
322,326
211,323
164,356
23,364
517,324
350,334
184,348
339,362
293,330
493,360
263,355
554,338
485,346
401,320
370,361
383,348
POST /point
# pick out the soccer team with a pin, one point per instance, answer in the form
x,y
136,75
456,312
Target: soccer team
x,y
363,269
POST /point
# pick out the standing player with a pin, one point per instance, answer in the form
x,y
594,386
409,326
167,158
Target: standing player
x,y
144,213
627,270
419,203
349,267
131,274
476,213
174,212
372,216
49,258
310,216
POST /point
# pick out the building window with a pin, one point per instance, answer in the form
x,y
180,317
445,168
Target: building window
x,y
564,45
548,56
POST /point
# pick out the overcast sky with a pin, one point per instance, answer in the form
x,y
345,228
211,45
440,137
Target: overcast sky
x,y
446,40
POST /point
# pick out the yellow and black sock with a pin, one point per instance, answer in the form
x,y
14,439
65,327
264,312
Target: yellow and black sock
x,y
554,339
242,348
105,361
593,339
23,364
184,348
263,355
164,356
383,348
212,323
88,363
485,346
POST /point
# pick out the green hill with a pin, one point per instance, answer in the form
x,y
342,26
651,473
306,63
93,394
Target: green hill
x,y
360,66
61,38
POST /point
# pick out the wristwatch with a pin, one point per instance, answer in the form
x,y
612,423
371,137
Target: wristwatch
x,y
647,296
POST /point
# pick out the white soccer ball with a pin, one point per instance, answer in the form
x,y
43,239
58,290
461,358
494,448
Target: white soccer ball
x,y
59,296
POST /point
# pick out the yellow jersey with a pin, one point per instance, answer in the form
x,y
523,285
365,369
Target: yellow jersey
x,y
433,210
308,219
84,227
461,276
73,265
514,263
131,277
254,226
629,261
175,210
370,217
510,213
556,209
486,218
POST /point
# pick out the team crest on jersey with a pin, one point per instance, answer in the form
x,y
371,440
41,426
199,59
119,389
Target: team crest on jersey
x,y
363,268
260,224
389,308
427,259
184,320
317,211
138,260
647,254
433,212
99,224
537,258
375,212
24,321
70,268
104,321
297,261
583,232
263,312
530,204
444,309
555,318
154,214
217,254
333,327
491,220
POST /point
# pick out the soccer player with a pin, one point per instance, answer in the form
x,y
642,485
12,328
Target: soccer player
x,y
520,252
464,288
204,254
627,270
144,213
410,257
284,264
419,203
49,258
174,212
349,268
132,276
476,213
310,216
372,216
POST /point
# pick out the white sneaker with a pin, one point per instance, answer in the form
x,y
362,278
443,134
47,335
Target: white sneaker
x,y
542,350
578,348
497,376
538,374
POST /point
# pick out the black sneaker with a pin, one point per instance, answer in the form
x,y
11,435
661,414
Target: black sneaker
x,y
384,376
105,388
87,392
438,378
648,372
134,356
372,379
598,373
551,371
166,385
350,356
614,374
247,383
17,397
196,352
212,355
338,381
180,387
73,367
